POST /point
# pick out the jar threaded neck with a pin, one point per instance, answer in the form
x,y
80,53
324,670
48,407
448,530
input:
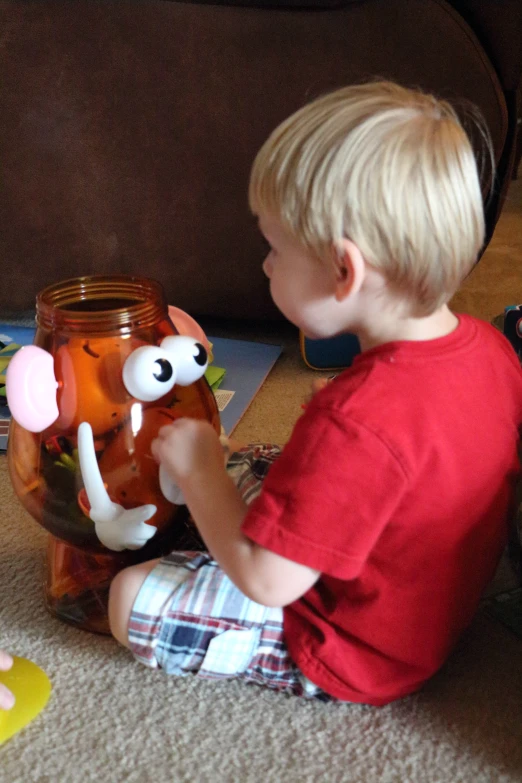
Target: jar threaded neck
x,y
101,303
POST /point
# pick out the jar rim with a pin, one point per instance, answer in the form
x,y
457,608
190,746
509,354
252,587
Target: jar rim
x,y
132,302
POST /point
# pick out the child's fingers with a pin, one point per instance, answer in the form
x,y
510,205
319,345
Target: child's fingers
x,y
166,430
162,437
182,424
7,699
155,447
5,661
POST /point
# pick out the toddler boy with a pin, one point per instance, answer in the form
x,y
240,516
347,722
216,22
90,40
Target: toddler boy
x,y
349,572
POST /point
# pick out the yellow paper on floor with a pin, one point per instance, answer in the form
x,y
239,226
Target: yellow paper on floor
x,y
31,688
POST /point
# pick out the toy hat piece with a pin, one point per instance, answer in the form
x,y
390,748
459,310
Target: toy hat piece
x,y
31,688
31,388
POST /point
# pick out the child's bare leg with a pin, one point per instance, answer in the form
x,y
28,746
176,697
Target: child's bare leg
x,y
123,592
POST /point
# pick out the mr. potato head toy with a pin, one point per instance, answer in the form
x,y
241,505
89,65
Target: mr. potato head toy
x,y
84,416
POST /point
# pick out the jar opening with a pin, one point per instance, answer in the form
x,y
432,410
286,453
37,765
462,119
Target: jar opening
x,y
101,303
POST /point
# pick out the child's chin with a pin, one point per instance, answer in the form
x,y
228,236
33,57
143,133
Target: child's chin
x,y
317,334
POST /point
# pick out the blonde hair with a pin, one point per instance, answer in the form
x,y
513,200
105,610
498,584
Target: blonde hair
x,y
388,167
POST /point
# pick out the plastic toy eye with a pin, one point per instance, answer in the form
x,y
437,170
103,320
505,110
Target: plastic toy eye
x,y
188,356
151,371
148,373
164,373
518,328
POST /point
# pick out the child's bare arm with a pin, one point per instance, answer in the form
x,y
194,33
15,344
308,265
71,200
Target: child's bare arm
x,y
218,510
191,452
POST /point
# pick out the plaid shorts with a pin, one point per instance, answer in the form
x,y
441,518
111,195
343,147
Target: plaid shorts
x,y
189,618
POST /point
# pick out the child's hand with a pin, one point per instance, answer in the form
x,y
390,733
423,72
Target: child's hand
x,y
316,386
6,697
188,447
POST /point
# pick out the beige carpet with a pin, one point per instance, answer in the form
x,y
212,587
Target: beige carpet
x,y
111,720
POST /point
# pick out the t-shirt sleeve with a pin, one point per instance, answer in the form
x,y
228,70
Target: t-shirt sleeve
x,y
329,496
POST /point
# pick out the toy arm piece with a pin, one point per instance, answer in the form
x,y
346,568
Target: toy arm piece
x,y
116,527
169,489
97,494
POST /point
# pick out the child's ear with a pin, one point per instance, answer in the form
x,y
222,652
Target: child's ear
x,y
349,268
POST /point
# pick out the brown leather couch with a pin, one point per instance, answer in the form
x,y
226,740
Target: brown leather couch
x,y
127,129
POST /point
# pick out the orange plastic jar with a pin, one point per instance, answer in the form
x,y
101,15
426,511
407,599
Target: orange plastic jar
x,y
90,326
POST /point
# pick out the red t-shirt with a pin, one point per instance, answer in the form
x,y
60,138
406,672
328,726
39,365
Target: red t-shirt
x,y
396,485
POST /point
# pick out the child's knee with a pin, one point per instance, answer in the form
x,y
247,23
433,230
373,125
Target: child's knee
x,y
123,592
119,608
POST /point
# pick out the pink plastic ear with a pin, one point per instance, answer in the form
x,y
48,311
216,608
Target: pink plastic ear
x,y
31,388
187,326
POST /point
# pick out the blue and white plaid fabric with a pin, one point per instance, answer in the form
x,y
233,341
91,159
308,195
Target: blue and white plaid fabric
x,y
190,618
